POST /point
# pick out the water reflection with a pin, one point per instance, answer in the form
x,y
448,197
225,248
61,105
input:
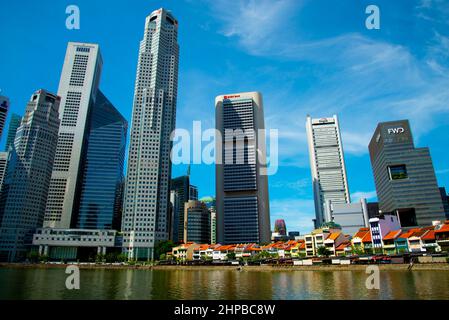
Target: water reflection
x,y
221,284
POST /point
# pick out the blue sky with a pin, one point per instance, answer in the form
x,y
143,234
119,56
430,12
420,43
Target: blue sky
x,y
305,56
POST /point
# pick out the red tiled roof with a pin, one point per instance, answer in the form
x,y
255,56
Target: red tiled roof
x,y
409,233
444,228
361,233
430,235
392,235
334,235
342,246
367,237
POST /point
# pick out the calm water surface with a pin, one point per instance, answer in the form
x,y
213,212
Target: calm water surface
x,y
221,284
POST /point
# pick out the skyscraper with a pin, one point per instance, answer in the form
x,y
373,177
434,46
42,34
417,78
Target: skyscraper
x,y
196,224
101,194
404,176
243,213
181,191
4,106
280,227
147,191
327,164
78,88
3,165
25,185
14,123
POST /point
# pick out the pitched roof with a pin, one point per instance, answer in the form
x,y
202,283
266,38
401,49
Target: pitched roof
x,y
392,235
444,228
361,233
334,235
409,233
367,237
429,235
342,246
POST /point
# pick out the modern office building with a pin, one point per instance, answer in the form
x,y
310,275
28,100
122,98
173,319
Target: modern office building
x,y
196,222
280,227
327,164
4,107
373,209
27,179
243,212
445,199
102,181
14,123
3,165
404,176
211,205
78,89
349,216
181,191
147,191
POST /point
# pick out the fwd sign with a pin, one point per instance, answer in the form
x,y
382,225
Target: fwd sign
x,y
396,130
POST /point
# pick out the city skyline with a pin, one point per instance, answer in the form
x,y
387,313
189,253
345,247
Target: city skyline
x,y
290,189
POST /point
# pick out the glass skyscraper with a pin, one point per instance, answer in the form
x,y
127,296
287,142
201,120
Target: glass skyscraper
x,y
147,191
100,202
4,106
243,212
405,178
14,123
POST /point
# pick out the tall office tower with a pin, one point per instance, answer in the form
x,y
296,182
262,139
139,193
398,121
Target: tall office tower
x,y
327,164
196,222
404,176
78,88
4,106
25,185
3,165
243,212
101,193
181,191
14,123
280,227
211,205
145,215
445,199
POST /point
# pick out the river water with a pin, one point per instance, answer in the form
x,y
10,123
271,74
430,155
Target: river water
x,y
221,284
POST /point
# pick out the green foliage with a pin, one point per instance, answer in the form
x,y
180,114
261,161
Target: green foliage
x,y
162,257
231,256
323,252
358,251
331,225
99,258
162,247
33,256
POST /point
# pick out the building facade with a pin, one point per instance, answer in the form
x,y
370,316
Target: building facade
x,y
404,176
3,165
4,107
27,179
280,227
243,213
78,88
102,181
327,164
196,222
147,192
181,191
349,216
14,123
445,199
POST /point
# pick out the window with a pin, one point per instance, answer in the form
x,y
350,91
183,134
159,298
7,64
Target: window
x,y
397,172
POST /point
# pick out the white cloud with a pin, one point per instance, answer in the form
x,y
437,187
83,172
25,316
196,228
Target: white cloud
x,y
356,196
298,214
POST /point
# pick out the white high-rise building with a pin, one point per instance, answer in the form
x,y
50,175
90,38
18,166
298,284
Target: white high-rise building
x,y
327,164
145,218
78,89
243,210
25,185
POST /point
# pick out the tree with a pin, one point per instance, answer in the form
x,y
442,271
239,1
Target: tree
x,y
322,251
162,257
357,250
162,247
231,256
